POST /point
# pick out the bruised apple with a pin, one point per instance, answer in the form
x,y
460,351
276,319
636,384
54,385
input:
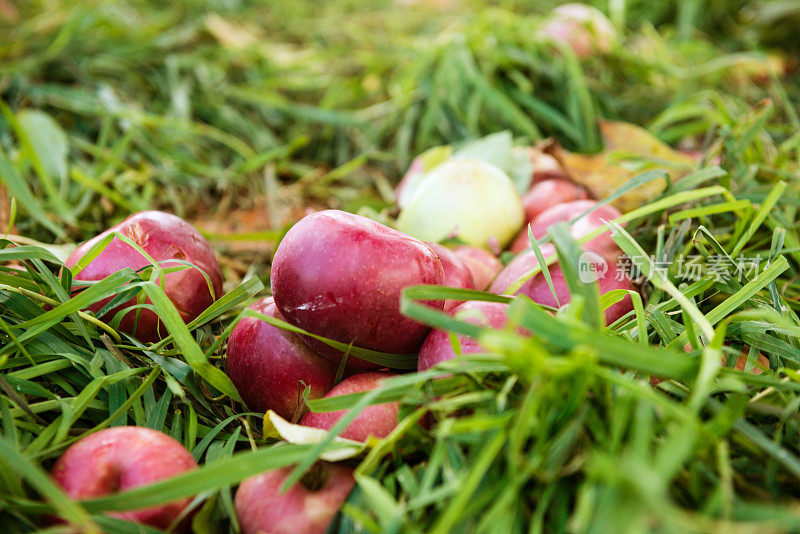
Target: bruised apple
x,y
377,420
603,244
308,507
609,276
469,199
122,458
437,346
340,276
271,367
166,238
482,264
456,273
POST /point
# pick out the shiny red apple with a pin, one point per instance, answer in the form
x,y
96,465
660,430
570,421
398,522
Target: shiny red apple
x,y
165,238
437,346
377,420
340,276
271,367
123,458
308,507
608,275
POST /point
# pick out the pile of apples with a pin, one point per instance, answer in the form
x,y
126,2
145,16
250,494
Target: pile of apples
x,y
337,276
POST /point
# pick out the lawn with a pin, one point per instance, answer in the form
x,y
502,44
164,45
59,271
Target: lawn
x,y
242,116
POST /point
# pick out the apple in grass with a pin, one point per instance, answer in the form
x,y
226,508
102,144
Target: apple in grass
x,y
584,29
308,507
123,458
608,274
456,273
340,276
549,193
482,264
437,346
603,244
271,367
377,420
472,200
165,238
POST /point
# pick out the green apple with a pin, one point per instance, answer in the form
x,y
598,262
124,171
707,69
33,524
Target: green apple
x,y
467,199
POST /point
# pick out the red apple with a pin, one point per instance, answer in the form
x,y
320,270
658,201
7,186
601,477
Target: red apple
x,y
456,273
377,420
608,275
759,366
437,346
164,237
308,507
271,367
340,276
603,244
482,264
549,193
122,458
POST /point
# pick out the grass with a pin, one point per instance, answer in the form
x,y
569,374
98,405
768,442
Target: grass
x,y
208,111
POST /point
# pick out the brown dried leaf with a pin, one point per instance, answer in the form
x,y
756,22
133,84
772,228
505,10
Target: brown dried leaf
x,y
629,151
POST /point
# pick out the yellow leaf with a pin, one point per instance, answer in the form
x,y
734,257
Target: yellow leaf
x,y
629,151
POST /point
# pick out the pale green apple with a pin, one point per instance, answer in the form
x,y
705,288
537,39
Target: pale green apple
x,y
469,199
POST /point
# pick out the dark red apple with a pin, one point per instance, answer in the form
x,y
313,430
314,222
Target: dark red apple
x,y
122,458
456,273
482,264
594,266
340,276
437,346
377,420
164,237
567,211
271,367
308,507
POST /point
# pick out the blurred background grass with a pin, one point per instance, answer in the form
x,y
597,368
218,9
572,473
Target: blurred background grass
x,y
204,107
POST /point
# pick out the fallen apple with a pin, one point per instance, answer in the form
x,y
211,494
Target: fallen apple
x,y
583,28
608,275
377,420
469,199
165,238
308,507
758,367
420,165
550,193
482,264
603,244
437,346
456,273
123,458
340,276
271,367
